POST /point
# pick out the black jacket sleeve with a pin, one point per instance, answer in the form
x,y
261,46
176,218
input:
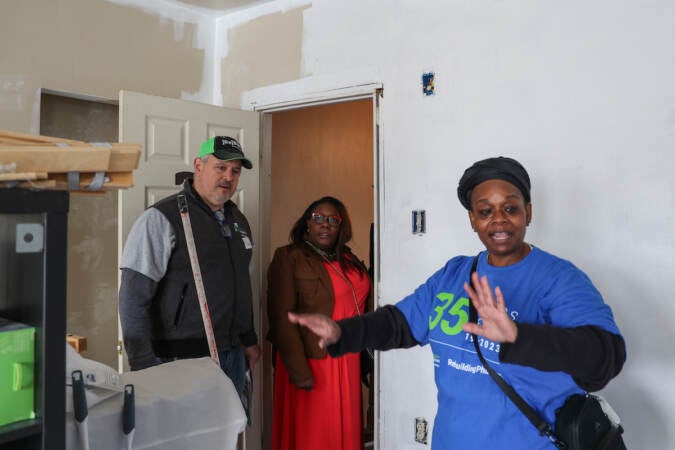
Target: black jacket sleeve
x,y
136,293
589,354
383,329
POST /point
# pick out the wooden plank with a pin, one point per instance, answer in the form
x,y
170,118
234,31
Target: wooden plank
x,y
101,193
124,157
14,176
11,141
21,144
36,153
12,136
56,159
79,343
117,180
121,179
40,184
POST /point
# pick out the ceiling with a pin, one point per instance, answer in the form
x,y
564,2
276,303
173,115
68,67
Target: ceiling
x,y
224,5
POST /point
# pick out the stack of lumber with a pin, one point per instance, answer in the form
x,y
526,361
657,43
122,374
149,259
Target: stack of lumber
x,y
44,162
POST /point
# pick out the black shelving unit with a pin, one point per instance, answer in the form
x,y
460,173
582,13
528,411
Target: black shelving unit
x,y
33,291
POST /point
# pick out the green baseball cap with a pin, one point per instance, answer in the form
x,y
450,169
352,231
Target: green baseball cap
x,y
224,148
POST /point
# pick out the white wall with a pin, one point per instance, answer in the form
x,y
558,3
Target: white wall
x,y
583,94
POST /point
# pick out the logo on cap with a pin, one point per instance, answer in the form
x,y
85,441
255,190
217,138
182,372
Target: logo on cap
x,y
227,143
224,148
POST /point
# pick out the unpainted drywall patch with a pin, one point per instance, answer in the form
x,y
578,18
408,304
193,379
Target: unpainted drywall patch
x,y
229,21
169,11
179,14
19,95
246,15
177,9
211,34
11,92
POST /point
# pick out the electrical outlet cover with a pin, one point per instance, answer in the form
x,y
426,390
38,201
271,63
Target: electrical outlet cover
x,y
421,430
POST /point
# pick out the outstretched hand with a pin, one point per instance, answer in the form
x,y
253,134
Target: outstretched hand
x,y
496,324
321,325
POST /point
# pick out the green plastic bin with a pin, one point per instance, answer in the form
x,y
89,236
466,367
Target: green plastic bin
x,y
17,358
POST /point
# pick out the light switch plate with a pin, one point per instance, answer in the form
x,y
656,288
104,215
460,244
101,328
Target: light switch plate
x,y
419,221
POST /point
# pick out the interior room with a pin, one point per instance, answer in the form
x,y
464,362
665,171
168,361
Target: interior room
x,y
383,105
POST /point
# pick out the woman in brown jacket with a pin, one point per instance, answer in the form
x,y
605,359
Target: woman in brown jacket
x,y
317,398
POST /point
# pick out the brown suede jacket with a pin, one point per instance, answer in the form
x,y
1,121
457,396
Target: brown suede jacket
x,y
298,281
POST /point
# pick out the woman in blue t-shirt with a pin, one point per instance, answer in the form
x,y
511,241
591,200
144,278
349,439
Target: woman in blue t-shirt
x,y
542,325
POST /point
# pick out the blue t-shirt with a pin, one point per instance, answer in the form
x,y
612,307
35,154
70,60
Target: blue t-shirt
x,y
473,412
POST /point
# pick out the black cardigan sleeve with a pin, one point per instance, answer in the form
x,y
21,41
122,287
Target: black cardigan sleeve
x,y
383,329
589,354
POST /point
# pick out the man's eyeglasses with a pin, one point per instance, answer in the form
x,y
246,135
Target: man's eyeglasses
x,y
333,221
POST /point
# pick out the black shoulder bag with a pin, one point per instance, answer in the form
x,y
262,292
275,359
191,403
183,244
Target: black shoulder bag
x,y
581,423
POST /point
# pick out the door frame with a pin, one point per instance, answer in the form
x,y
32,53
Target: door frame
x,y
279,100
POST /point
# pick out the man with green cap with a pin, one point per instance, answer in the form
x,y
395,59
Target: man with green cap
x,y
159,308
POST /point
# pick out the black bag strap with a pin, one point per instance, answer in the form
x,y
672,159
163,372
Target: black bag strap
x,y
540,424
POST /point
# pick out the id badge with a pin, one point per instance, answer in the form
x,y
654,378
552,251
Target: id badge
x,y
247,242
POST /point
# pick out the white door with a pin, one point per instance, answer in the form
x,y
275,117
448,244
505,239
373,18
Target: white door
x,y
171,132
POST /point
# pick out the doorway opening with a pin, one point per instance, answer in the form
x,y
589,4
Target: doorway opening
x,y
92,225
309,152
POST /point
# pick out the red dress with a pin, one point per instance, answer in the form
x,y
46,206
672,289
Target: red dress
x,y
329,417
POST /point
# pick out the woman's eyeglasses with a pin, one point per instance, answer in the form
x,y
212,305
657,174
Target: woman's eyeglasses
x,y
333,221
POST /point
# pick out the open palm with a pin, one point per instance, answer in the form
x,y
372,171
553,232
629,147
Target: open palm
x,y
496,325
